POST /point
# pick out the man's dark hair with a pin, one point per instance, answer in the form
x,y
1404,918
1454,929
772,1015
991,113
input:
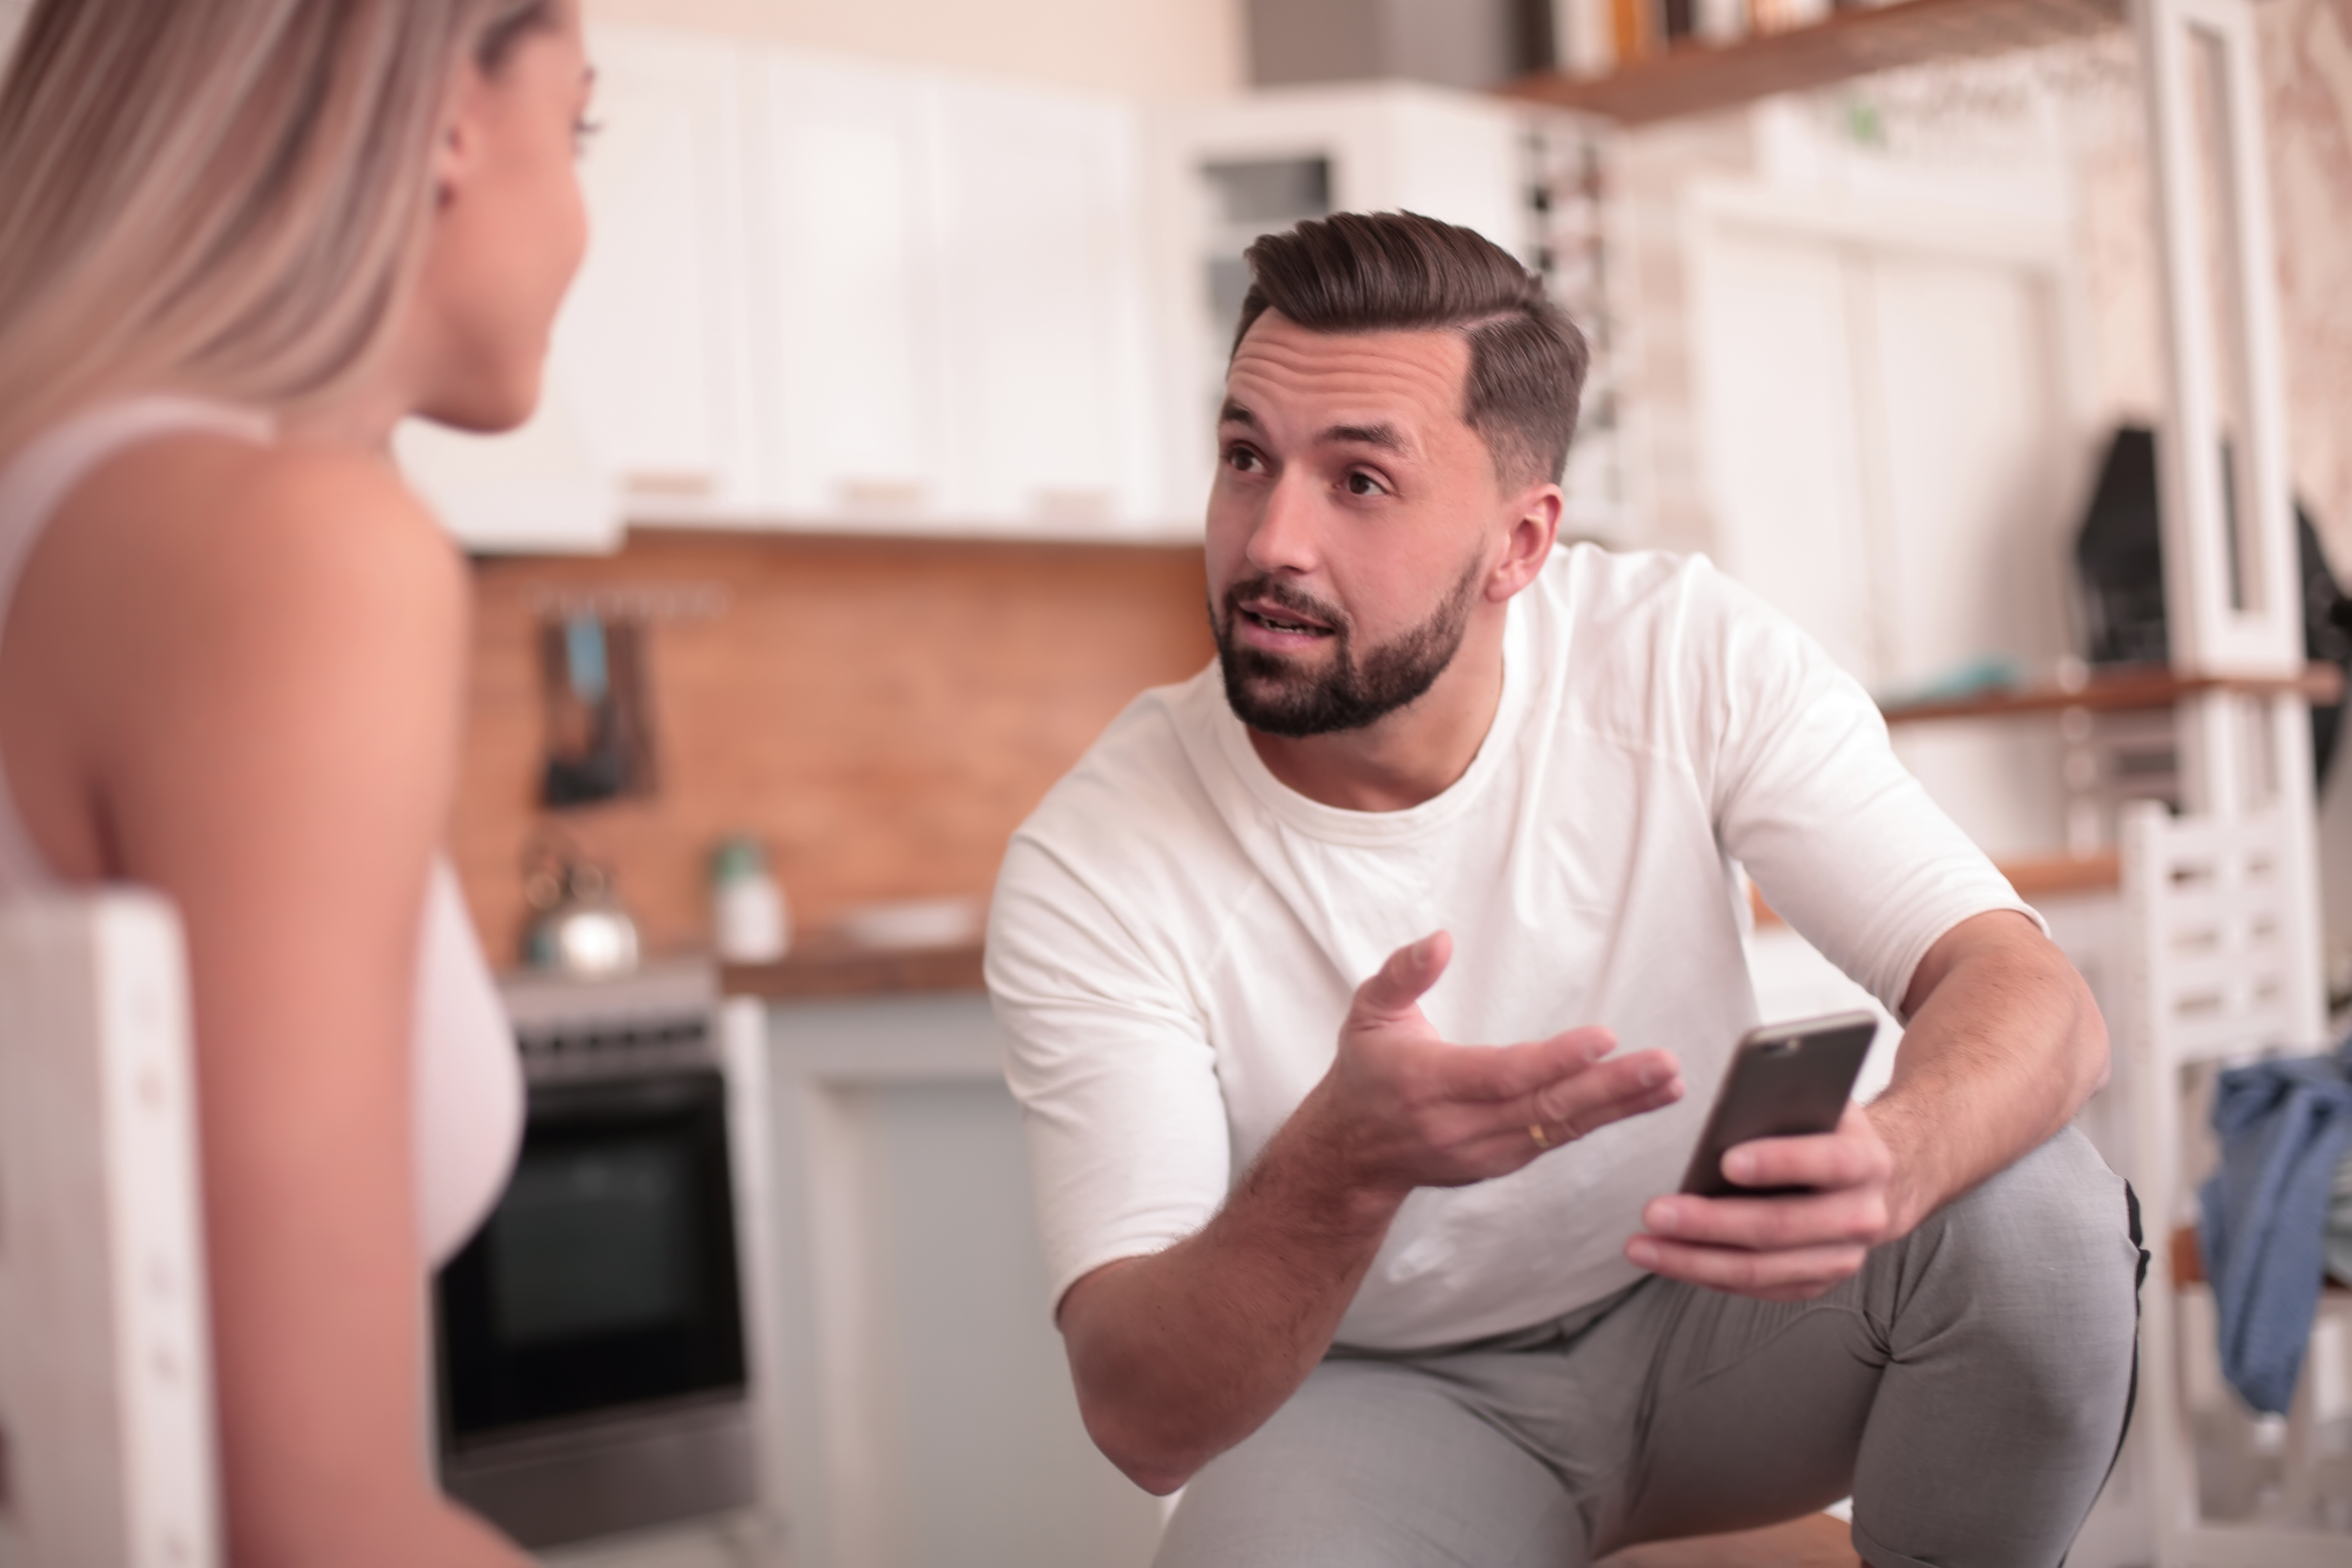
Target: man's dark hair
x,y
1373,272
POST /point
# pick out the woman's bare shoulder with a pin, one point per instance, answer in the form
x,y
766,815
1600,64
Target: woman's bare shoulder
x,y
199,573
177,537
206,621
264,516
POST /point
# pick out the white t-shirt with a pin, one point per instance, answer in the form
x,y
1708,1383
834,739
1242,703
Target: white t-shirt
x,y
1176,934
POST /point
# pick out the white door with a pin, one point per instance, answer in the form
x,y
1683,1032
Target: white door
x,y
1979,480
1893,465
1785,438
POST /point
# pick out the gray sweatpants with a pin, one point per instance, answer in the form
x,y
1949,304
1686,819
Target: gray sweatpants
x,y
1968,1387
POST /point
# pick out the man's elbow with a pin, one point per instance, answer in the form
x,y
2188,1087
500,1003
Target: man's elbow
x,y
2101,1057
1142,1457
2092,1056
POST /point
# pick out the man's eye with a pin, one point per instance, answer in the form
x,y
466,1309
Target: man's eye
x,y
1362,484
1243,459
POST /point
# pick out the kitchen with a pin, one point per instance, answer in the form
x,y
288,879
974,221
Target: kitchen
x,y
872,544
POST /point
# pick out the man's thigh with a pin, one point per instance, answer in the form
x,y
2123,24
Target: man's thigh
x,y
1376,1464
1968,1386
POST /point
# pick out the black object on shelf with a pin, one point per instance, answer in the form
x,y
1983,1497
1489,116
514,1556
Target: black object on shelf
x,y
2119,564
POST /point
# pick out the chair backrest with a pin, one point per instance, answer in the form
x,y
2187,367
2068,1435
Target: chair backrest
x,y
2223,960
106,1416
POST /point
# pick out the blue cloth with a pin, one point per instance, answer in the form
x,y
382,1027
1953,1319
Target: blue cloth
x,y
2286,1127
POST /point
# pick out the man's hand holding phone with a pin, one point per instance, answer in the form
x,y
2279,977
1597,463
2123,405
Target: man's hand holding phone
x,y
1787,1192
1789,1247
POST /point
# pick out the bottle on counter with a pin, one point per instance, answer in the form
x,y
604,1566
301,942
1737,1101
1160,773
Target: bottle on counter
x,y
749,922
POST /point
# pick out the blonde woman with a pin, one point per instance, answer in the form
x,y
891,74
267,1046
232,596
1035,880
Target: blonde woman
x,y
239,239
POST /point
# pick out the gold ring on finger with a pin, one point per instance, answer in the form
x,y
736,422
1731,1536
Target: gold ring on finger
x,y
1535,1132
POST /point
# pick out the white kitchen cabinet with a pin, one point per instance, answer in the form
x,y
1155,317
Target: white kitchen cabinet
x,y
1047,371
951,308
926,1405
847,310
838,294
652,347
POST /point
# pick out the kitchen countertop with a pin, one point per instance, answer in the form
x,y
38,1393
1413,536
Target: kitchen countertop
x,y
827,965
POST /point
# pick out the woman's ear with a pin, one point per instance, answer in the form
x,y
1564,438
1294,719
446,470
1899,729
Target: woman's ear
x,y
458,148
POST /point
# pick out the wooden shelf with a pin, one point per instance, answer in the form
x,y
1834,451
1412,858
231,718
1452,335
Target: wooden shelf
x,y
1700,79
2123,688
2040,877
2045,875
2188,1263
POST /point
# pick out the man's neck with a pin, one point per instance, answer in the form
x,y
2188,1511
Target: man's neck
x,y
1414,754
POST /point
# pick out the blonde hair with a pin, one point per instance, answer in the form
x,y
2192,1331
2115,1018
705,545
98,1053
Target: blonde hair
x,y
226,197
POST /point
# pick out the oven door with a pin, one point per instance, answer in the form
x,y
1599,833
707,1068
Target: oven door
x,y
591,1337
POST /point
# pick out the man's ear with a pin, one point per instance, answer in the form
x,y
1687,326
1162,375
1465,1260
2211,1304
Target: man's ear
x,y
1535,526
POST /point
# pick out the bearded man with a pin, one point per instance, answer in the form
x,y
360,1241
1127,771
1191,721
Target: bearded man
x,y
1362,993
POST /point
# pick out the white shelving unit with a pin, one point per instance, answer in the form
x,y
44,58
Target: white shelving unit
x,y
2223,901
2234,614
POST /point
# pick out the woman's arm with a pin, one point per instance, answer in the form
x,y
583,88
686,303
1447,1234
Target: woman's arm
x,y
235,676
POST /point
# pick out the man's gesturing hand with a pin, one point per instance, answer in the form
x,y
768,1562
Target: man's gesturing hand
x,y
1787,1248
1401,1107
1181,1353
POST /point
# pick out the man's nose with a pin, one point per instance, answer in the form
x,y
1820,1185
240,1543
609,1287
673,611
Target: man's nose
x,y
1284,540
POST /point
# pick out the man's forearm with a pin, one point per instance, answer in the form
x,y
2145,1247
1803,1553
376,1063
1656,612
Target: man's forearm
x,y
2003,1047
1182,1354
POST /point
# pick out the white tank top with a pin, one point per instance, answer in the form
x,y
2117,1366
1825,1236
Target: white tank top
x,y
467,1077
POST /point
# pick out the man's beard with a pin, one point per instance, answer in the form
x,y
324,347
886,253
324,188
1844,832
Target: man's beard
x,y
1275,693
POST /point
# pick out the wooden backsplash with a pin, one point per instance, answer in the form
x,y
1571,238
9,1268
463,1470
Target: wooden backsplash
x,y
881,712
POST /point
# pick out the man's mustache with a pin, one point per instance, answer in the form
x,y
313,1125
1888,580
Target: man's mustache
x,y
1274,592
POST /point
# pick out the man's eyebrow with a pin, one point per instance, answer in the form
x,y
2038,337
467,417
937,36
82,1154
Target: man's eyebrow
x,y
1384,435
1380,434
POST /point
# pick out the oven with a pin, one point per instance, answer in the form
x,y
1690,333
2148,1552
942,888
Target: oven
x,y
593,1371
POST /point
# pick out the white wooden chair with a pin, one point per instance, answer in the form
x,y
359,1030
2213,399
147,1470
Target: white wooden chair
x,y
106,1419
2220,953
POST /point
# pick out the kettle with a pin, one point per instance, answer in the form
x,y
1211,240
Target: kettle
x,y
577,926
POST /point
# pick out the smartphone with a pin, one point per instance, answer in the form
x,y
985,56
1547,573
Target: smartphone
x,y
1785,1080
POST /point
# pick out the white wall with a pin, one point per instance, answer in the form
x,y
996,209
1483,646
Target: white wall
x,y
1148,48
1145,49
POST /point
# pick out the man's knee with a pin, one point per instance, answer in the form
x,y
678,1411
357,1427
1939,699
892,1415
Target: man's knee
x,y
2039,1266
2058,1217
